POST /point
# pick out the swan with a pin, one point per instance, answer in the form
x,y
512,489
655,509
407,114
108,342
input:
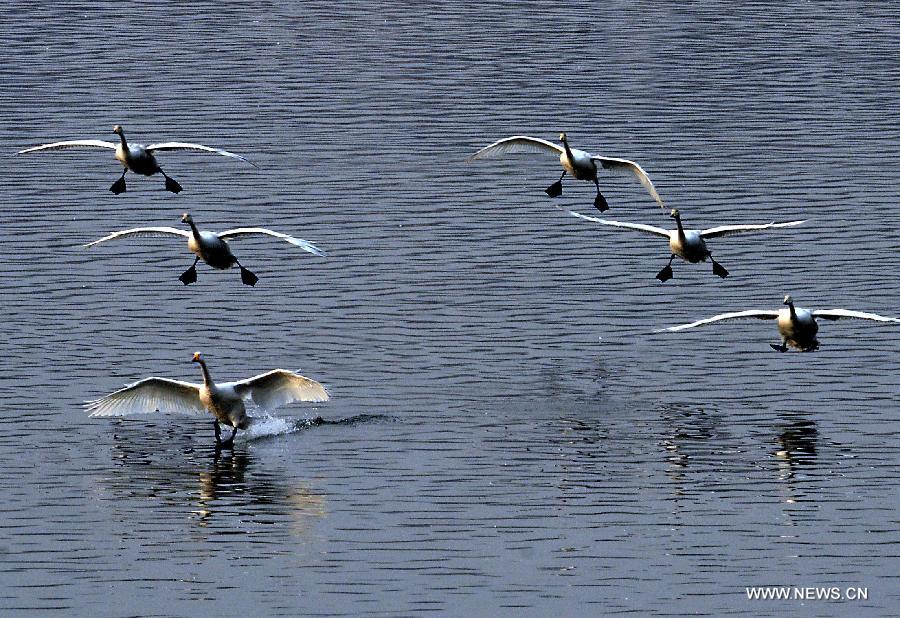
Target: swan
x,y
689,245
580,164
138,158
210,247
797,326
224,401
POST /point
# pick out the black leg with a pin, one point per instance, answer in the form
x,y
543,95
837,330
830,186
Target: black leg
x,y
171,185
218,432
247,277
600,201
555,190
190,275
666,273
119,185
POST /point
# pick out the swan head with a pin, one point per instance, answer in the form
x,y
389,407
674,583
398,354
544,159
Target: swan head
x,y
197,358
562,138
117,129
186,218
788,300
675,214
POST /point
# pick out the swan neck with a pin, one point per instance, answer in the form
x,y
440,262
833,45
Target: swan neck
x,y
196,234
568,150
207,379
122,139
793,312
680,227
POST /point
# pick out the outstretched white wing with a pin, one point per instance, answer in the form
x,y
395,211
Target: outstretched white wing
x,y
726,230
142,232
516,143
251,231
630,167
650,229
76,143
279,387
200,147
150,395
837,314
737,315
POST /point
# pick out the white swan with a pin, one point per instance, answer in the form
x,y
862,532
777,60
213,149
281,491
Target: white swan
x,y
797,326
210,247
580,164
225,401
689,245
135,157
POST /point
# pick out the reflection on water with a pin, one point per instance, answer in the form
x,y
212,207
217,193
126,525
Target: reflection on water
x,y
795,455
545,451
226,486
207,482
688,431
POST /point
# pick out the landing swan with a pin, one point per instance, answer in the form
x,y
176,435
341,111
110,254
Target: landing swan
x,y
580,164
797,326
689,245
138,158
224,401
210,247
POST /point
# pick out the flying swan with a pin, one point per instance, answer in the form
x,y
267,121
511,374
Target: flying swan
x,y
689,245
224,401
580,164
797,326
138,158
210,247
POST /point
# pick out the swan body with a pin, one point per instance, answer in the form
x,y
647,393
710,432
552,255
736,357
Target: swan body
x,y
689,245
138,158
210,247
580,164
226,401
797,326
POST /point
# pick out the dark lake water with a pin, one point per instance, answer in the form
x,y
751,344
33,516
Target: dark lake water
x,y
507,434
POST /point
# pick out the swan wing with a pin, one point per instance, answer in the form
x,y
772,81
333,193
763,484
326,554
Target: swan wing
x,y
737,315
516,143
149,395
200,147
727,230
625,166
252,231
837,314
650,229
279,387
75,143
142,232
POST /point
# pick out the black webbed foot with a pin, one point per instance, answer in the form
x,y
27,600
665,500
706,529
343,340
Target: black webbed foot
x,y
247,277
779,348
665,274
719,270
172,186
554,190
118,186
189,276
600,203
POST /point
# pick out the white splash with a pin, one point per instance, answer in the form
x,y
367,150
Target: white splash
x,y
266,425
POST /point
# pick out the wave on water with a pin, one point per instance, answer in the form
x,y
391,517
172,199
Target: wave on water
x,y
267,426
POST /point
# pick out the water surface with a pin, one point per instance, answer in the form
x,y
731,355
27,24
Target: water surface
x,y
507,434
